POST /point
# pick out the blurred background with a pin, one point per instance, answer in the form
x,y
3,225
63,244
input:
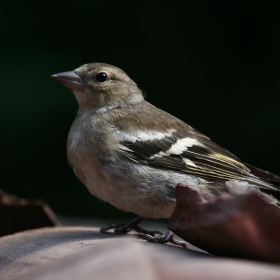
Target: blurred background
x,y
214,64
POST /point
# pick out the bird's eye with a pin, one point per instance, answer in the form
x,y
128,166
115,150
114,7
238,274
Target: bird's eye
x,y
101,77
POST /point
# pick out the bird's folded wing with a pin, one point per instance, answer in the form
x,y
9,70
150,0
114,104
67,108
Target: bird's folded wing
x,y
187,151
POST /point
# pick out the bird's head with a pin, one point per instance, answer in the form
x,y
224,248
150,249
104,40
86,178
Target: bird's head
x,y
97,85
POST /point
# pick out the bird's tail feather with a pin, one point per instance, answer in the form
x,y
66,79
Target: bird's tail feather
x,y
277,205
263,174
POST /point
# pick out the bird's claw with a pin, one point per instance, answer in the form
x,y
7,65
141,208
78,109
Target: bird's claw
x,y
124,227
163,238
119,228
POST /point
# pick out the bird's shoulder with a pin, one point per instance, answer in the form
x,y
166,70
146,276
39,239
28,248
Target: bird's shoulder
x,y
145,116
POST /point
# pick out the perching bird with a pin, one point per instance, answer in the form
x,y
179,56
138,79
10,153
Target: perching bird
x,y
131,154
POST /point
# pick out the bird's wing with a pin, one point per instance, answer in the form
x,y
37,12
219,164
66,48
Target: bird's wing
x,y
183,152
183,149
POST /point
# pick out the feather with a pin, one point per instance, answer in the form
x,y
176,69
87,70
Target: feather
x,y
184,149
263,174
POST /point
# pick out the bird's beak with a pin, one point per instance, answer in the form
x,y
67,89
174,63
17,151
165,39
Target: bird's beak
x,y
70,79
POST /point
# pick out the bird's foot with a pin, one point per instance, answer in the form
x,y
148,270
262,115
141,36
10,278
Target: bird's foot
x,y
125,227
163,238
148,235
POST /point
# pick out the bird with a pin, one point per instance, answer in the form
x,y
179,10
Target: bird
x,y
131,154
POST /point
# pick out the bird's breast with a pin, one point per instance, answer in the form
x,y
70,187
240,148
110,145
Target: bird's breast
x,y
88,152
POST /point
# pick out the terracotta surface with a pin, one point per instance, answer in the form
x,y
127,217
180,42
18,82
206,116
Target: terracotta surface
x,y
83,253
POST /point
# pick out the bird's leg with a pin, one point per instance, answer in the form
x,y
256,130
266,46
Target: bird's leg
x,y
125,227
163,238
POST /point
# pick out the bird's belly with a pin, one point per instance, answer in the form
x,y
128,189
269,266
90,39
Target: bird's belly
x,y
143,190
124,188
92,175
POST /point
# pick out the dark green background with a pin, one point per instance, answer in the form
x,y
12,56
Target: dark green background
x,y
214,64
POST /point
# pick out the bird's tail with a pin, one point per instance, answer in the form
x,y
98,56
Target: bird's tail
x,y
267,181
277,205
264,179
268,176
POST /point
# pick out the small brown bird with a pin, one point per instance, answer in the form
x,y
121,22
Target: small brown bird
x,y
131,154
